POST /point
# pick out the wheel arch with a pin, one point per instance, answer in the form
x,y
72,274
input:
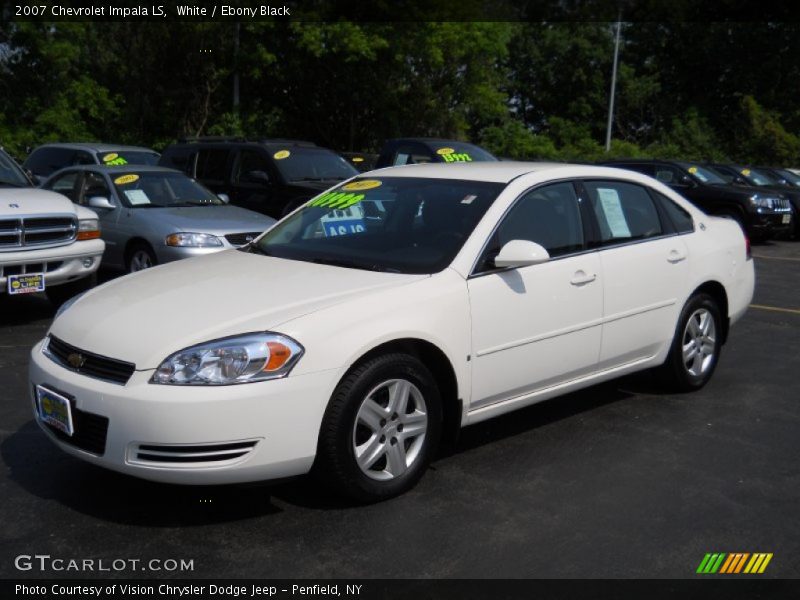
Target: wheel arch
x,y
717,291
440,366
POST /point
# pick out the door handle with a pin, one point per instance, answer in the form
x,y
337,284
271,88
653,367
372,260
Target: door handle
x,y
676,256
581,278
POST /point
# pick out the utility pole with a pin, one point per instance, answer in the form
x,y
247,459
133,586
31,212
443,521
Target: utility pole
x,y
613,84
236,70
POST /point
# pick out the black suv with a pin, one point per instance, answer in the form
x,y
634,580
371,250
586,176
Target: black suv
x,y
749,176
270,176
411,151
762,214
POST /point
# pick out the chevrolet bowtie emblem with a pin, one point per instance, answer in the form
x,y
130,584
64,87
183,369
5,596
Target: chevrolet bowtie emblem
x,y
76,360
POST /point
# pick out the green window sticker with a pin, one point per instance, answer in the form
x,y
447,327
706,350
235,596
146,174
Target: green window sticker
x,y
456,157
337,200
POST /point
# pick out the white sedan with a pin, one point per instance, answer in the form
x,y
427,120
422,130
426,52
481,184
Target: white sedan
x,y
385,314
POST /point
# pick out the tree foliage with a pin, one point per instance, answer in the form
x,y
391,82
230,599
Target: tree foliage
x,y
525,90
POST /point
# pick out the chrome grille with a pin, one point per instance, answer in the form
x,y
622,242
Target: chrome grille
x,y
781,204
24,232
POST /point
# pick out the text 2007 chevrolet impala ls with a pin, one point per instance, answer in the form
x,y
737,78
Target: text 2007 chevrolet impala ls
x,y
385,313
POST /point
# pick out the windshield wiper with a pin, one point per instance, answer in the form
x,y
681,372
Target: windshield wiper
x,y
351,264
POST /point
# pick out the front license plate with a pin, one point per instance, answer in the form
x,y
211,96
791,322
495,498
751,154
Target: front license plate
x,y
787,219
54,409
28,283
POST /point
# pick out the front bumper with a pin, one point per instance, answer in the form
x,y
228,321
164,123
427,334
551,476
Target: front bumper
x,y
771,224
222,434
61,264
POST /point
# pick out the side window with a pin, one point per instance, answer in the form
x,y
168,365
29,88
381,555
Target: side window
x,y
549,216
624,211
94,184
49,160
669,175
250,162
65,185
211,164
681,220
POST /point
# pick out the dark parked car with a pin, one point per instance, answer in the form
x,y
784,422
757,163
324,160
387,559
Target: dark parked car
x,y
49,158
270,176
411,151
784,177
763,214
750,176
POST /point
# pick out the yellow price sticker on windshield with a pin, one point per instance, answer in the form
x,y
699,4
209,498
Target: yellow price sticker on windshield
x,y
444,151
364,184
692,170
126,179
745,172
110,157
281,154
358,159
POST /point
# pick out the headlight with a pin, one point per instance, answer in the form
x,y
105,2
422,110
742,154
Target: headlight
x,y
61,309
761,201
239,359
193,240
88,229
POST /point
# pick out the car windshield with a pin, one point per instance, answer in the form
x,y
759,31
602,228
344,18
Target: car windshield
x,y
153,189
395,224
128,157
460,152
702,174
756,177
298,163
790,177
10,173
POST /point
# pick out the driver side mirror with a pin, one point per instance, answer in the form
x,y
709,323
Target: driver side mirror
x,y
225,198
100,202
256,177
521,253
686,181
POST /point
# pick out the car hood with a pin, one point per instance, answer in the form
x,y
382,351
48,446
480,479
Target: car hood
x,y
33,201
212,219
144,317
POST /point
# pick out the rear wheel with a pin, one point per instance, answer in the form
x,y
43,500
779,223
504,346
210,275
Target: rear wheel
x,y
696,346
381,429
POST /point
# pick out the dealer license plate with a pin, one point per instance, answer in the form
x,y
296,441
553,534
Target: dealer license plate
x,y
54,409
787,219
28,283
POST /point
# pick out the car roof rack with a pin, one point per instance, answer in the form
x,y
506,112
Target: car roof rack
x,y
240,139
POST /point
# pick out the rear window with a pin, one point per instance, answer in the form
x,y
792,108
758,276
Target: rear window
x,y
460,152
127,157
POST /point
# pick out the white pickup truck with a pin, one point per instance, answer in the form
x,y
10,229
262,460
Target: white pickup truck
x,y
46,242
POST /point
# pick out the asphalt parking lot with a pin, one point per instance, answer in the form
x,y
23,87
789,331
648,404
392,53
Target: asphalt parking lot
x,y
619,480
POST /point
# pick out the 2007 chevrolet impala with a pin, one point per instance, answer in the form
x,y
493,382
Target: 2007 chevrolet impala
x,y
384,314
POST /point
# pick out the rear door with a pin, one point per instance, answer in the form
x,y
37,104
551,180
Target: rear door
x,y
253,182
212,167
645,263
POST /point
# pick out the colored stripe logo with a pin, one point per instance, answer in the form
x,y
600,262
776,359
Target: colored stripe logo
x,y
734,563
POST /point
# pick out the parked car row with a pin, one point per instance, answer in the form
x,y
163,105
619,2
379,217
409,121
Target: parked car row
x,y
764,210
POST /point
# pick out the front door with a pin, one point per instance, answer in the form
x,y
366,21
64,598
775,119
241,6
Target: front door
x,y
537,326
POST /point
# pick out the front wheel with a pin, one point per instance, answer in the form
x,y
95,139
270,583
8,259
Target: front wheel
x,y
696,346
140,257
381,429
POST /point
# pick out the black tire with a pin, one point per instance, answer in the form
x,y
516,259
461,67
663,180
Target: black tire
x,y
336,463
137,255
61,293
676,373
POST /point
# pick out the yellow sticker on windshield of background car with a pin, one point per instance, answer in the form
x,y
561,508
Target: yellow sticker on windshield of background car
x,y
358,159
126,179
110,157
692,170
364,184
745,172
445,151
281,154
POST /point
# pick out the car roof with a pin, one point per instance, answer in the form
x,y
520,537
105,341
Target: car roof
x,y
96,147
499,172
122,168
